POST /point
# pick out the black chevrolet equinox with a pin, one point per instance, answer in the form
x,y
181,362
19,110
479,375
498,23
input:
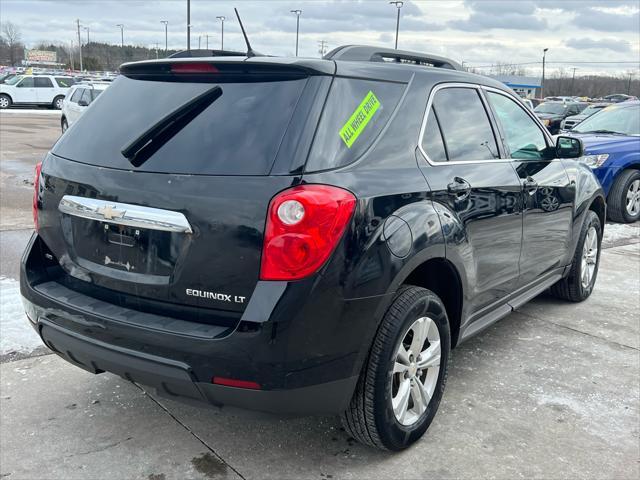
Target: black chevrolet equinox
x,y
303,236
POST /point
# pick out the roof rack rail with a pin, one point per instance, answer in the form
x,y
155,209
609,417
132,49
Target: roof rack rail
x,y
364,53
206,53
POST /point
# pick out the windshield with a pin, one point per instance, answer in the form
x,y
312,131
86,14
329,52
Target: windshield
x,y
622,120
591,109
550,108
13,80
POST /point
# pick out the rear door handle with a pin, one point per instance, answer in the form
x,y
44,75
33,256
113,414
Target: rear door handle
x,y
459,187
530,185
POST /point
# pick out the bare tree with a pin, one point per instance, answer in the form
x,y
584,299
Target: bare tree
x,y
12,37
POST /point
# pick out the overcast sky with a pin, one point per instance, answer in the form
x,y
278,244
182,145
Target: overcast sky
x,y
479,32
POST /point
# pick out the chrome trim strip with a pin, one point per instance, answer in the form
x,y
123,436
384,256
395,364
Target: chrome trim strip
x,y
124,214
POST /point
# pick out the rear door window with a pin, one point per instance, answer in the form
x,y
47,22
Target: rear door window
x,y
43,82
238,134
465,126
355,113
77,94
86,95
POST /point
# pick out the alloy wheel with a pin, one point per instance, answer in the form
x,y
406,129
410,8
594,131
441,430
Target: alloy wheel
x,y
633,198
589,257
415,371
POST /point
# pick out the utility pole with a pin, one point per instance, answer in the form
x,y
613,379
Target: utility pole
x,y
398,5
573,80
199,39
156,50
166,36
121,25
71,56
206,36
188,25
298,13
79,42
87,29
544,59
323,47
221,18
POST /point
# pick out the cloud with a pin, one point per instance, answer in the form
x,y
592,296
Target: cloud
x,y
487,14
604,44
607,22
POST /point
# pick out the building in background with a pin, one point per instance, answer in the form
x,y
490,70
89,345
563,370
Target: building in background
x,y
526,87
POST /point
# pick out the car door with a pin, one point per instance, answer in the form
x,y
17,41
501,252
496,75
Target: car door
x,y
25,91
45,90
73,109
478,192
547,196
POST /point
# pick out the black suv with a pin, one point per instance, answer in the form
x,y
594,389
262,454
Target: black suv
x,y
553,113
303,235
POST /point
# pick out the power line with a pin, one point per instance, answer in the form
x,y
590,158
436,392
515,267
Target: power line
x,y
555,63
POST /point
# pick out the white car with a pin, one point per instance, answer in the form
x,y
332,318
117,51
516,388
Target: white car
x,y
80,96
35,90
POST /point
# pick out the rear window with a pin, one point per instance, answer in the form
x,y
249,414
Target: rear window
x,y
238,134
355,113
64,82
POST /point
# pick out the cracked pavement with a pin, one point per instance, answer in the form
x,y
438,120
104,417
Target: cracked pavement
x,y
551,391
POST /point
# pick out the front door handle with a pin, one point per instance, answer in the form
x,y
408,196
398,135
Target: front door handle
x,y
460,188
530,185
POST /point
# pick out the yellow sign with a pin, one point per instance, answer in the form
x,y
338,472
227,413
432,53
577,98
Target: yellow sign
x,y
359,119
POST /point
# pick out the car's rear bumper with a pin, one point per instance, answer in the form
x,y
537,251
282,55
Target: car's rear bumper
x,y
305,359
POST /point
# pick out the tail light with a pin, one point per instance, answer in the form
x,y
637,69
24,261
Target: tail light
x,y
304,225
232,382
193,68
36,190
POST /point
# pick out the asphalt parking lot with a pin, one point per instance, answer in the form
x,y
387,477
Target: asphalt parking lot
x,y
551,391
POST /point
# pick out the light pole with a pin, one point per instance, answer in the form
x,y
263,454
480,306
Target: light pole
x,y
166,35
121,25
79,42
398,5
87,29
199,39
298,13
573,80
221,18
544,59
206,36
188,25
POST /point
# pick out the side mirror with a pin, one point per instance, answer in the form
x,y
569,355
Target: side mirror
x,y
83,103
569,147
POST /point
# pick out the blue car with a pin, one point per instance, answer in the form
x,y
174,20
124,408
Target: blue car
x,y
612,149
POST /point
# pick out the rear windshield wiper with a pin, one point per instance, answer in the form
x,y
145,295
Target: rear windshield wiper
x,y
149,142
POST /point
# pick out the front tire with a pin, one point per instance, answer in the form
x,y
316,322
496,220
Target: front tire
x,y
578,285
403,379
624,197
5,101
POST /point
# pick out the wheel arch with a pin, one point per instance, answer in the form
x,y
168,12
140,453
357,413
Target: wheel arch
x,y
441,277
599,206
7,95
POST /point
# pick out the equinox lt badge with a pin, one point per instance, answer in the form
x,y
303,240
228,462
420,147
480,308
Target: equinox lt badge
x,y
221,297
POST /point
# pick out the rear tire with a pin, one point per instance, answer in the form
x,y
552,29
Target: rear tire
x,y
578,285
57,102
378,417
624,197
5,101
64,124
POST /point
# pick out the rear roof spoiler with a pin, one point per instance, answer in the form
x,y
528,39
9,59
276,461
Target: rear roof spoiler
x,y
206,53
363,53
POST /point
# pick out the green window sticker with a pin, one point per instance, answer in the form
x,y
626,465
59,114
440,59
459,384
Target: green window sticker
x,y
359,119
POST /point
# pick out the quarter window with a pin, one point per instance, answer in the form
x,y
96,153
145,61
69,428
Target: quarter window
x,y
464,124
64,82
86,95
43,82
523,137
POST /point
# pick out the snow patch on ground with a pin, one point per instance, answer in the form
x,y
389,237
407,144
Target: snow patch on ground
x,y
615,233
16,334
36,111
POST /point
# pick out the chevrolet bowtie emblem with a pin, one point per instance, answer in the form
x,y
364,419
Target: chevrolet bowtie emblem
x,y
109,212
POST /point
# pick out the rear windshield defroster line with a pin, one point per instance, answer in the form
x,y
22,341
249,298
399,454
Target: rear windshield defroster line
x,y
146,144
